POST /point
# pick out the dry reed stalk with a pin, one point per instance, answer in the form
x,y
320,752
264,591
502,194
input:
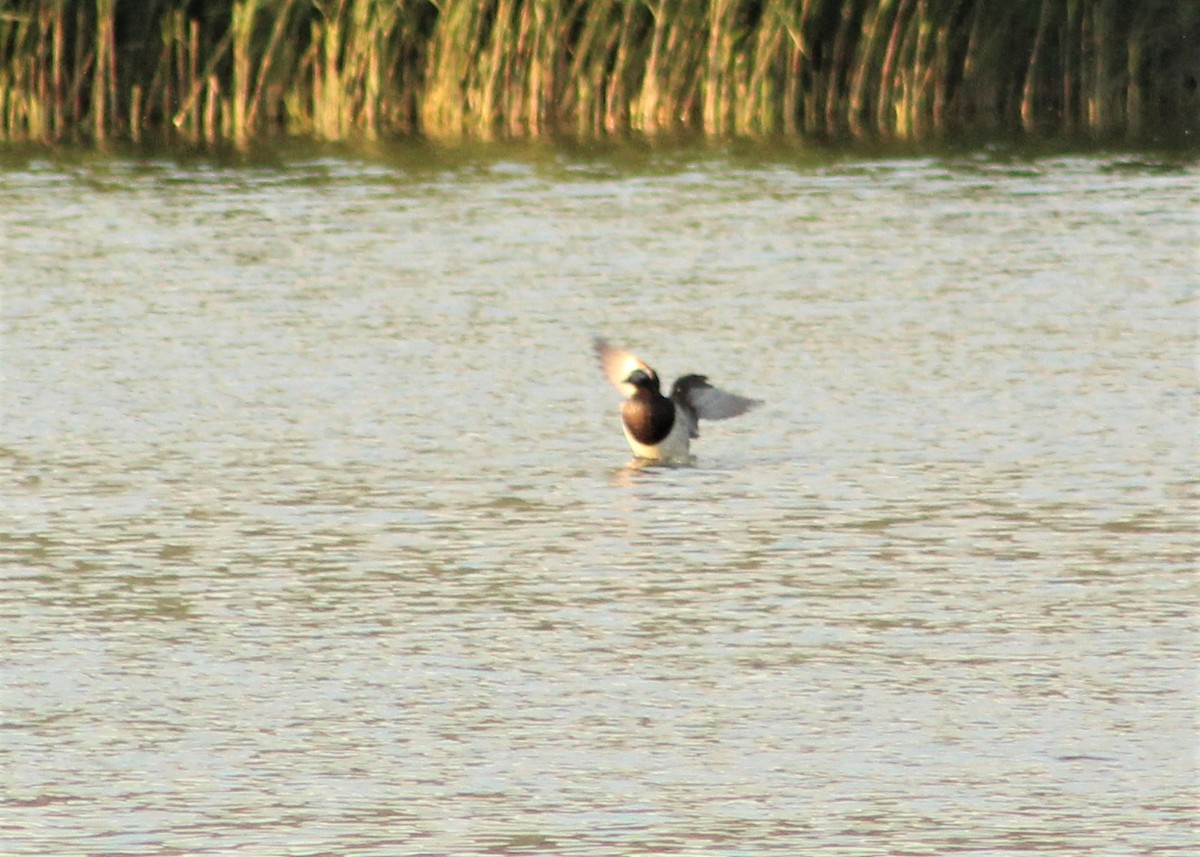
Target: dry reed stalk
x,y
212,108
373,24
135,113
102,82
772,90
715,69
282,19
624,74
586,69
57,65
1029,88
861,64
200,85
895,74
443,106
242,16
939,75
646,110
194,78
835,71
326,90
526,68
543,34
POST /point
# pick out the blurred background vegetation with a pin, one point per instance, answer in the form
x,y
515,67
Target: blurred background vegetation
x,y
235,71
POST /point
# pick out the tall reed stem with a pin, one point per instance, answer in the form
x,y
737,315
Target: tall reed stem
x,y
360,69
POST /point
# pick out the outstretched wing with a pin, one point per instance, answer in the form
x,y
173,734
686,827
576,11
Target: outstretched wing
x,y
700,400
618,365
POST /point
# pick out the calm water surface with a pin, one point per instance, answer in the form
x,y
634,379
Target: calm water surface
x,y
317,535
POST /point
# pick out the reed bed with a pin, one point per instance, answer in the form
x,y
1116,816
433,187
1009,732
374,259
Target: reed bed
x,y
237,70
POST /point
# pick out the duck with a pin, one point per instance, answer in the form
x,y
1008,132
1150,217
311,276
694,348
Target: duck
x,y
660,428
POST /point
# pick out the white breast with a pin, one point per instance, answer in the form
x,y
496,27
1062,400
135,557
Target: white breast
x,y
673,448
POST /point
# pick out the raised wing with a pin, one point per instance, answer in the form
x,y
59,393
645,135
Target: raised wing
x,y
700,400
618,365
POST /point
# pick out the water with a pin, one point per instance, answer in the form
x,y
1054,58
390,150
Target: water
x,y
318,536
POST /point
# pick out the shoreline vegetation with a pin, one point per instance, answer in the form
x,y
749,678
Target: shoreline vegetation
x,y
235,72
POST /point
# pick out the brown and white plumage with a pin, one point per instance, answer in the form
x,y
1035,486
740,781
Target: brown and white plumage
x,y
659,428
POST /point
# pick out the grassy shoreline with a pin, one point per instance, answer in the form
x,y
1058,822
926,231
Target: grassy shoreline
x,y
236,71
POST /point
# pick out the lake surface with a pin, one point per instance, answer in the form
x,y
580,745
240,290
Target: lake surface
x,y
318,536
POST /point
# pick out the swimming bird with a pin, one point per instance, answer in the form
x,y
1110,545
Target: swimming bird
x,y
660,429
